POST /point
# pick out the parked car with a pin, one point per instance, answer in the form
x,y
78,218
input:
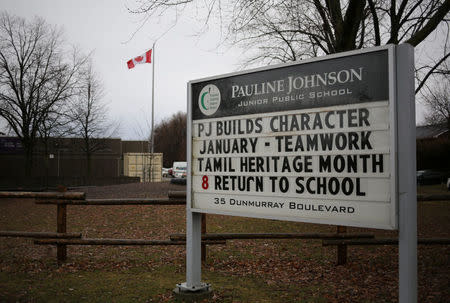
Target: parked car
x,y
179,169
429,176
180,172
165,172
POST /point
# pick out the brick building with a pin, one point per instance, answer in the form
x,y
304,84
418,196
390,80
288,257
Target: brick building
x,y
62,161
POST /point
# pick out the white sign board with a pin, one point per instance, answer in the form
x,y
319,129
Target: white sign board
x,y
313,141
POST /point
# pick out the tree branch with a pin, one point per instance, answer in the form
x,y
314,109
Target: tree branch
x,y
430,72
376,23
431,24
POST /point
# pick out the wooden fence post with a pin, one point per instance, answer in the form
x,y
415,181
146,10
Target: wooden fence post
x,y
61,227
203,232
342,248
61,249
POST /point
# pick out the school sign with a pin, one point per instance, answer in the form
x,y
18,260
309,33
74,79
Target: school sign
x,y
312,142
329,140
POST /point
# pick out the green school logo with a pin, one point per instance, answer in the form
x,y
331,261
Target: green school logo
x,y
209,99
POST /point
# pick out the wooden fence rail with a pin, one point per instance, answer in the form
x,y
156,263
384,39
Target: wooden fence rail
x,y
37,235
248,236
179,194
61,238
97,202
388,241
43,195
433,197
122,242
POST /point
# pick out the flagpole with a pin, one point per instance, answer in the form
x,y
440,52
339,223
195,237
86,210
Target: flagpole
x,y
153,111
153,96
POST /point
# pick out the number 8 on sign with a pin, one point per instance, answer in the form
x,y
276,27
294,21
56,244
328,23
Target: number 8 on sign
x,y
205,182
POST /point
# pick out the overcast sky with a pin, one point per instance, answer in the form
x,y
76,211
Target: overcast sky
x,y
106,27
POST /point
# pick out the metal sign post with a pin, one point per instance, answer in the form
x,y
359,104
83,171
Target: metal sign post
x,y
329,140
193,229
407,199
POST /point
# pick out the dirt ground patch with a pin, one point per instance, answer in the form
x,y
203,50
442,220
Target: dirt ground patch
x,y
240,271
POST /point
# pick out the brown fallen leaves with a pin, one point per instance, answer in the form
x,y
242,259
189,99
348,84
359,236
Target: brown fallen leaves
x,y
302,268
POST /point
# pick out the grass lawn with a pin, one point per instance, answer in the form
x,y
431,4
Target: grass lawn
x,y
240,271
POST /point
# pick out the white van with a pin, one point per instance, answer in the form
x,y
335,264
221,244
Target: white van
x,y
179,169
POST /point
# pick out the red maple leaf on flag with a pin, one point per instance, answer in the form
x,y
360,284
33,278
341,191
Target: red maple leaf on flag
x,y
145,58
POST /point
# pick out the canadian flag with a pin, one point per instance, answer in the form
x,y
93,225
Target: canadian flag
x,y
145,58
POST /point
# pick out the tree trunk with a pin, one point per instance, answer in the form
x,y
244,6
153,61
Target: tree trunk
x,y
28,147
46,156
88,168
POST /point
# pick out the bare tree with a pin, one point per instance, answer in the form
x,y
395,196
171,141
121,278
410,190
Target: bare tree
x,y
274,31
89,115
437,103
142,129
36,76
170,138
